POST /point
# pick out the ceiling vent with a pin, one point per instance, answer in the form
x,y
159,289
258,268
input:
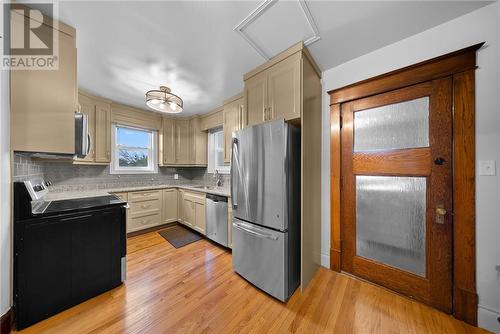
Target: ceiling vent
x,y
276,25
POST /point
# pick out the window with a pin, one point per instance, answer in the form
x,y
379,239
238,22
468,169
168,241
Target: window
x,y
134,151
216,152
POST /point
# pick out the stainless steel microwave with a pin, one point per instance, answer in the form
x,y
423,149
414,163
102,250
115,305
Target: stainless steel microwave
x,y
82,136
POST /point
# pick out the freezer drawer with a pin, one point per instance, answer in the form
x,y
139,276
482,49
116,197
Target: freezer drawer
x,y
259,255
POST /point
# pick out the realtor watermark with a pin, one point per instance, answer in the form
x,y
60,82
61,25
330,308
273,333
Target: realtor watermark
x,y
29,36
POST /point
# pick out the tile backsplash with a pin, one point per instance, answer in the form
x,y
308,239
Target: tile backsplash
x,y
68,177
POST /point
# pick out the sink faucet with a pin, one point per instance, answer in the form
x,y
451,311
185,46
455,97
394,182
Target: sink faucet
x,y
218,179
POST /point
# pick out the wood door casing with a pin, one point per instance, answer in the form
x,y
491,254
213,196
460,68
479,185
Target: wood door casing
x,y
435,287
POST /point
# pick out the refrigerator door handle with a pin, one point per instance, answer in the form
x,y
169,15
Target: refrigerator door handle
x,y
262,235
235,164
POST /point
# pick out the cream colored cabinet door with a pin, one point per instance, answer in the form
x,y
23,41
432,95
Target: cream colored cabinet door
x,y
243,113
284,89
168,141
182,142
87,106
256,98
199,211
198,147
103,132
180,205
170,206
189,211
231,124
44,102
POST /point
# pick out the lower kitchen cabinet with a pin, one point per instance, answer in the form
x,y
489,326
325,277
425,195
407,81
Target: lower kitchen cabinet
x,y
193,207
150,208
145,210
170,206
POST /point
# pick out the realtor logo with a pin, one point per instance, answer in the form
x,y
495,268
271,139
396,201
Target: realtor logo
x,y
29,36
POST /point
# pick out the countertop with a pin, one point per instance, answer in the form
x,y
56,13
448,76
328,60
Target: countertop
x,y
54,196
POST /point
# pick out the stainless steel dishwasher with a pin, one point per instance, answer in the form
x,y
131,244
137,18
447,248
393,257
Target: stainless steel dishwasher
x,y
216,219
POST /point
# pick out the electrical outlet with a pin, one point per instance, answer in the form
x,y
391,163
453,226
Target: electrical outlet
x,y
176,176
487,167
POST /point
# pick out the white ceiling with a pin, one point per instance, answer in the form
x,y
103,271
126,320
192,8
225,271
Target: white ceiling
x,y
126,48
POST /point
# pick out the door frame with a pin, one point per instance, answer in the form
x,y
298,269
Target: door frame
x,y
460,66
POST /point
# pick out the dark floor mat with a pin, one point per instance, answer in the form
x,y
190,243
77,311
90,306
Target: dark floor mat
x,y
179,236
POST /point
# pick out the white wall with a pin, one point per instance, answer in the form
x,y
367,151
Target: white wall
x,y
478,26
5,191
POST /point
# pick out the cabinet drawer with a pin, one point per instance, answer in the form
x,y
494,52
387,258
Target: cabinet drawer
x,y
139,223
140,196
144,208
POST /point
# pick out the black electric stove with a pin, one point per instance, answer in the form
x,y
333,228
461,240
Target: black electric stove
x,y
66,251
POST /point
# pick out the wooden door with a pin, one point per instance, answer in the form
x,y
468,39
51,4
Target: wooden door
x,y
256,98
87,106
103,132
397,191
284,89
170,206
168,141
231,124
182,142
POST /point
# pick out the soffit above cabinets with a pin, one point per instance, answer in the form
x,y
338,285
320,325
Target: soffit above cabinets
x,y
265,27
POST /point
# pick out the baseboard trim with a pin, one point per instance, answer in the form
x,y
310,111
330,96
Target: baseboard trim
x,y
325,260
488,318
6,322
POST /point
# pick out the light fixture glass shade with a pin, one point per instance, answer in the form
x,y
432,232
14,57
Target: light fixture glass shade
x,y
163,100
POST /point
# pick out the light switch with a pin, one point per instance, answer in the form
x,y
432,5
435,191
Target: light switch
x,y
487,167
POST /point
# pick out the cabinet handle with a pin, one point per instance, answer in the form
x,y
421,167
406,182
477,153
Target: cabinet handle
x,y
269,113
144,221
265,113
146,206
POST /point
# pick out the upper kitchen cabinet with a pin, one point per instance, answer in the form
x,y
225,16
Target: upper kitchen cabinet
x,y
43,102
275,89
168,141
255,95
234,120
213,119
103,132
184,142
198,152
99,128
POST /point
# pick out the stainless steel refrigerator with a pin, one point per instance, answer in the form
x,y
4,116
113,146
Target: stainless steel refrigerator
x,y
265,191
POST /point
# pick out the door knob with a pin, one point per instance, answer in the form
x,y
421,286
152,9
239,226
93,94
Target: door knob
x,y
440,214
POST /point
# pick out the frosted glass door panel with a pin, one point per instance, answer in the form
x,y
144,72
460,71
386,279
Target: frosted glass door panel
x,y
394,126
390,221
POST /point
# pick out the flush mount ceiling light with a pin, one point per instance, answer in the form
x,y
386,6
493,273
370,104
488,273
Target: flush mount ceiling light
x,y
163,100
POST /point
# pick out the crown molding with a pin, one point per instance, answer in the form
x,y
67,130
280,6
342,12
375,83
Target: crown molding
x,y
261,8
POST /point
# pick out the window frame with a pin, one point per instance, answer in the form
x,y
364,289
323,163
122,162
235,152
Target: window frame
x,y
152,167
212,153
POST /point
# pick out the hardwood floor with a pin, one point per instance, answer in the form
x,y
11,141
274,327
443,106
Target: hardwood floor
x,y
194,290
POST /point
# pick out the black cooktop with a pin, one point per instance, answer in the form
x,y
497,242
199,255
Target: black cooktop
x,y
73,205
